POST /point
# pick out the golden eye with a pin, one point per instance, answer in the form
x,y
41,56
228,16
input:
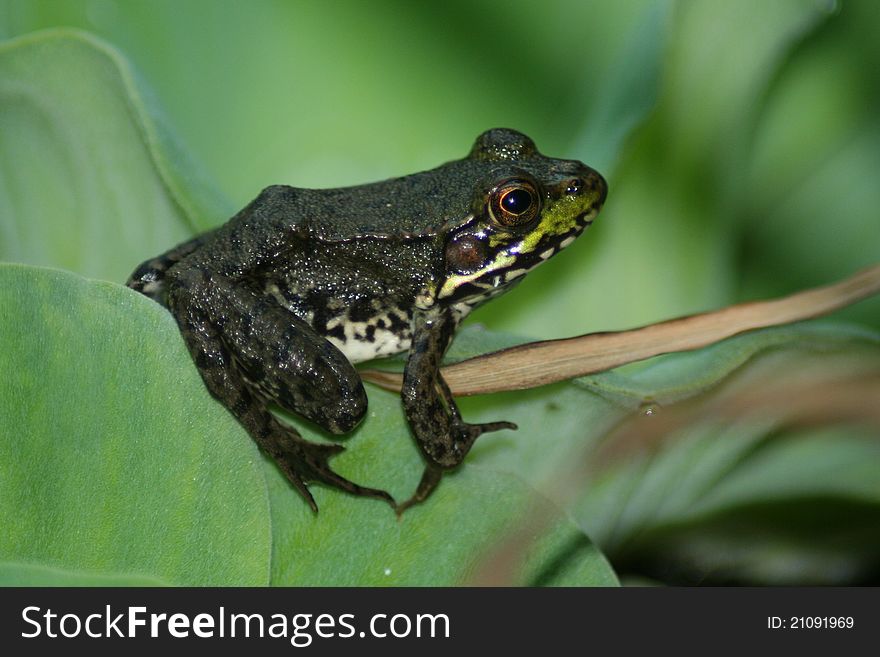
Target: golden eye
x,y
514,203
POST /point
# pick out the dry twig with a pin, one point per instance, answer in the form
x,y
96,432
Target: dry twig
x,y
539,363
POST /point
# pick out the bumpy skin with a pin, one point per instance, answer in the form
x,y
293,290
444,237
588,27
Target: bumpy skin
x,y
277,304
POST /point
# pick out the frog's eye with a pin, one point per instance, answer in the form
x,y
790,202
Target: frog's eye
x,y
514,203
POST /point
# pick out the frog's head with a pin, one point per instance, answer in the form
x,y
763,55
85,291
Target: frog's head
x,y
526,209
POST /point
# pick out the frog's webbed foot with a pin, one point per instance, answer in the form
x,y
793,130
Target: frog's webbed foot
x,y
303,462
447,449
433,474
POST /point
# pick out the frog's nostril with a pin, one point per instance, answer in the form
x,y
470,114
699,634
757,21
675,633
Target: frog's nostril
x,y
574,187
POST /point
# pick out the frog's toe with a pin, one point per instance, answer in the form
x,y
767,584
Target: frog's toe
x,y
337,481
494,426
300,486
311,464
429,482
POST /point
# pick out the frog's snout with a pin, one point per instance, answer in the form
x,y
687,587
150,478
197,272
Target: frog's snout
x,y
588,185
600,187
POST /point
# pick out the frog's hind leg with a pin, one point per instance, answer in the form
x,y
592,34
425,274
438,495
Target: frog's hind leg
x,y
149,277
253,354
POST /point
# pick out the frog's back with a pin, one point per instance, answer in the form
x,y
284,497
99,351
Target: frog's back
x,y
420,204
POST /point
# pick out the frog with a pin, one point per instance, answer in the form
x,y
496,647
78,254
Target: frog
x,y
279,304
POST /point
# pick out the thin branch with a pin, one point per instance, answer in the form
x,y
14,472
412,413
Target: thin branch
x,y
539,363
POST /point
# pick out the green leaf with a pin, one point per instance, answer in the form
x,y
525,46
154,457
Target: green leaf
x,y
91,179
149,478
811,500
738,505
445,542
581,412
751,499
733,502
114,460
22,574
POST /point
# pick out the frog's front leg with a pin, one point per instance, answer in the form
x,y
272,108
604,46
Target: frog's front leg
x,y
434,418
252,354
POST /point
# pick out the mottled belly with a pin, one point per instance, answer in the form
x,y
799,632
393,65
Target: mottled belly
x,y
362,329
384,334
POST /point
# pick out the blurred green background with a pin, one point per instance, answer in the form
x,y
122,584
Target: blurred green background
x,y
741,141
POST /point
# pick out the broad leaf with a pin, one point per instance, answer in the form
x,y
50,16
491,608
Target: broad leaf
x,y
114,460
149,478
90,180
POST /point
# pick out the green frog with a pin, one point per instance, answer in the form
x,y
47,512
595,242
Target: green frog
x,y
277,305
